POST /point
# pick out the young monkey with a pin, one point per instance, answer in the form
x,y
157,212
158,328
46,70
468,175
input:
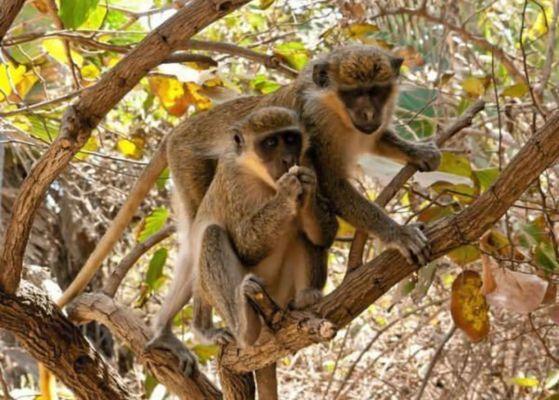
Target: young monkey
x,y
255,225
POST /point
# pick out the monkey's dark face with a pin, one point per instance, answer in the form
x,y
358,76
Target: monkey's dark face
x,y
364,80
365,106
279,151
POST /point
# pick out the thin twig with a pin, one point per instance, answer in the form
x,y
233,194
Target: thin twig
x,y
434,360
4,385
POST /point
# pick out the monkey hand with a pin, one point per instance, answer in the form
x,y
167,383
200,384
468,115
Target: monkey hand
x,y
308,180
290,186
411,242
167,341
426,156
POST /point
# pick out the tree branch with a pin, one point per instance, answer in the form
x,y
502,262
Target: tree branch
x,y
92,105
8,12
52,339
129,327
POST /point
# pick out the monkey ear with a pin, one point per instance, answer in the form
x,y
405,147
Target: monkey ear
x,y
320,74
238,138
396,63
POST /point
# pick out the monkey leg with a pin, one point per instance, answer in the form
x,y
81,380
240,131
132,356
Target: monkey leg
x,y
224,281
203,324
310,264
425,155
267,382
179,294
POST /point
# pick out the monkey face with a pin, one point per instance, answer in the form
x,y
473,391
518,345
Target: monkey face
x,y
364,79
365,106
279,151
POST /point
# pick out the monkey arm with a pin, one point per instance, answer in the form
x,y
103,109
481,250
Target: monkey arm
x,y
349,204
256,235
319,222
425,155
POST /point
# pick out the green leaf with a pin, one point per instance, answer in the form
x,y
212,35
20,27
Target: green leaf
x,y
455,164
293,53
518,90
264,85
155,269
163,179
552,379
464,254
545,257
264,4
485,177
205,352
415,103
149,384
45,129
75,12
153,223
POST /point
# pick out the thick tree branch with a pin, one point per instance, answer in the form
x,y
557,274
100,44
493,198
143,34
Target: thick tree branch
x,y
92,105
52,339
129,327
8,12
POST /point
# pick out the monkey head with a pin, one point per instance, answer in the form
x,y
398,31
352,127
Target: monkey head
x,y
361,81
270,141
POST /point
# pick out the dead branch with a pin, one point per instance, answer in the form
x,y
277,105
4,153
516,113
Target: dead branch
x,y
91,106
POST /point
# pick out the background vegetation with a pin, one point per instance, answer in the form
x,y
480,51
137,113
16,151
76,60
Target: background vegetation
x,y
407,344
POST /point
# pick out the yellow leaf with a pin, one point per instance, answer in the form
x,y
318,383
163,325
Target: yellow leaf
x,y
518,90
171,94
525,381
468,307
130,148
56,49
90,71
345,230
359,30
194,93
474,87
92,144
9,75
25,84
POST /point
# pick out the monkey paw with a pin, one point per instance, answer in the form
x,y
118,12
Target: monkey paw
x,y
169,342
427,156
412,243
220,336
306,298
252,287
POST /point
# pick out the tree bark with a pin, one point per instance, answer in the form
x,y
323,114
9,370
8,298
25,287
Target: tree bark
x,y
128,326
52,339
8,12
92,105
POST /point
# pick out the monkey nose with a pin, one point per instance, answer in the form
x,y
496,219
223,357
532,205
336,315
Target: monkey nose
x,y
368,115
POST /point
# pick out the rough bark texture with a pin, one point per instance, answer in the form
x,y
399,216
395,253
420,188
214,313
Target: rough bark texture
x,y
8,12
129,327
92,105
52,339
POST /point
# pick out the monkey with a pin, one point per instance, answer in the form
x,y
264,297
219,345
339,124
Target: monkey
x,y
345,100
253,230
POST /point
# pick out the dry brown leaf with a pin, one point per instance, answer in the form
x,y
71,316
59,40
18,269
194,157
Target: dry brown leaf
x,y
489,285
516,291
468,307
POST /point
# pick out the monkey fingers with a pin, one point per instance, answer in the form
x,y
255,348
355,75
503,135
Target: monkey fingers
x,y
266,307
220,336
428,157
167,341
413,244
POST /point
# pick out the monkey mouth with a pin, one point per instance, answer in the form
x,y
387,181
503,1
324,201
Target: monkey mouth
x,y
368,128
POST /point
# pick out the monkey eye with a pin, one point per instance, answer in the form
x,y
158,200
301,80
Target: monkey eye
x,y
238,139
271,142
291,137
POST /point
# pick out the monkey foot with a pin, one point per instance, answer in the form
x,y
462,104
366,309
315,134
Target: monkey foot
x,y
219,336
253,289
169,342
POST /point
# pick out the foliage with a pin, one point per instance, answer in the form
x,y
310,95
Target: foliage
x,y
502,290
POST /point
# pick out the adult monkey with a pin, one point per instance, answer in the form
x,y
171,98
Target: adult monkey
x,y
346,100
